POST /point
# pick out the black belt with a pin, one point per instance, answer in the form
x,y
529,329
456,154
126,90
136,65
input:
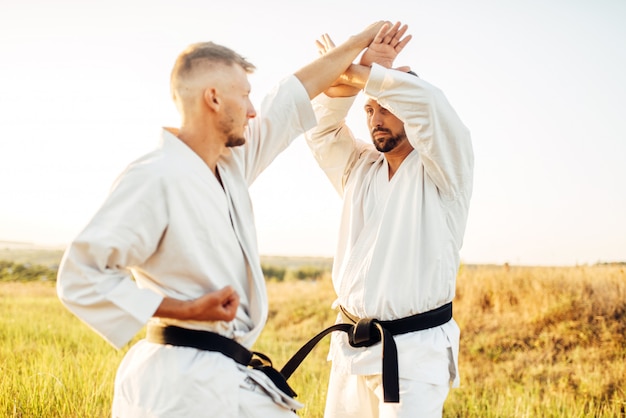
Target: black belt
x,y
369,331
210,341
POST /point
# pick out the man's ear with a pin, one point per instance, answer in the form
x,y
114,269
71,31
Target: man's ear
x,y
212,99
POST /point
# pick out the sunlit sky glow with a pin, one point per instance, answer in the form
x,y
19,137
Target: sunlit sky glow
x,y
540,84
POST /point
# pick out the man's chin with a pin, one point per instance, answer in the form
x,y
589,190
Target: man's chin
x,y
385,146
381,146
235,142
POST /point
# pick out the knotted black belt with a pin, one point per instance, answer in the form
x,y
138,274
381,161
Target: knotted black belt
x,y
210,341
369,331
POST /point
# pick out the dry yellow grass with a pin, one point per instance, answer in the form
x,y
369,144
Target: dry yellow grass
x,y
549,341
535,341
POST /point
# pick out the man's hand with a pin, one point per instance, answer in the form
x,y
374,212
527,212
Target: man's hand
x,y
337,89
371,31
386,46
220,305
319,74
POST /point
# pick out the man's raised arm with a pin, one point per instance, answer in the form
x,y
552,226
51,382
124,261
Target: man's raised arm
x,y
321,73
383,50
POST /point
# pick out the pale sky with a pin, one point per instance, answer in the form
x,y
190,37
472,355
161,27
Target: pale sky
x,y
540,84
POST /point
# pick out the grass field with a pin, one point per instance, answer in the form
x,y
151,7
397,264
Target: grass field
x,y
535,342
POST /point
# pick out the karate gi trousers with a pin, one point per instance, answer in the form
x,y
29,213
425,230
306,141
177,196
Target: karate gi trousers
x,y
164,381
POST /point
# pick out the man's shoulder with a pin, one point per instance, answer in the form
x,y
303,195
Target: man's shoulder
x,y
153,161
157,165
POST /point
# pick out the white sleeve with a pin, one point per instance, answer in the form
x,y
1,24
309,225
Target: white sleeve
x,y
332,143
94,281
285,114
432,126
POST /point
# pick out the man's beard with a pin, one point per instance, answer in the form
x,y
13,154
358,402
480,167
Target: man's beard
x,y
232,140
235,141
389,143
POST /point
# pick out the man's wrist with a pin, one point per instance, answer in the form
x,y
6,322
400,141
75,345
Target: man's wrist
x,y
356,75
384,63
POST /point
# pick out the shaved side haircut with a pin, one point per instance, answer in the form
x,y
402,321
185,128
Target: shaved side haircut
x,y
204,55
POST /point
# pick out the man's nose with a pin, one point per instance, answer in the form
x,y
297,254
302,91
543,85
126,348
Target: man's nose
x,y
251,111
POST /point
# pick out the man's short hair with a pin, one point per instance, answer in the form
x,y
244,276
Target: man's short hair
x,y
211,53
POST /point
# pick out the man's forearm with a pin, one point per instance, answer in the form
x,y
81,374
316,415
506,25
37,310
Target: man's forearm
x,y
356,76
321,73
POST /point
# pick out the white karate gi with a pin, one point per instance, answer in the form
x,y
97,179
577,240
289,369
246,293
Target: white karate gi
x,y
170,225
399,240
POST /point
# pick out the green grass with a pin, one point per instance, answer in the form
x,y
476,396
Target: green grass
x,y
535,342
52,365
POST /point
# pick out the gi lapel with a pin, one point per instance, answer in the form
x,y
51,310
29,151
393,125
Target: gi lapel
x,y
243,225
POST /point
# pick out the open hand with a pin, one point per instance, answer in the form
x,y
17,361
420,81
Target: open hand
x,y
386,46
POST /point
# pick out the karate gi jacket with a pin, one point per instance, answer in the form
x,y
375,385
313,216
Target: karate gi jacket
x,y
399,239
168,228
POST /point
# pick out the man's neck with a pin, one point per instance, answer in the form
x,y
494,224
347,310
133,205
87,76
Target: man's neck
x,y
396,157
203,143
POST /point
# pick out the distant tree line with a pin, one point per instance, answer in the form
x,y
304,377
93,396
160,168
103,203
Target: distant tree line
x,y
26,272
279,274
